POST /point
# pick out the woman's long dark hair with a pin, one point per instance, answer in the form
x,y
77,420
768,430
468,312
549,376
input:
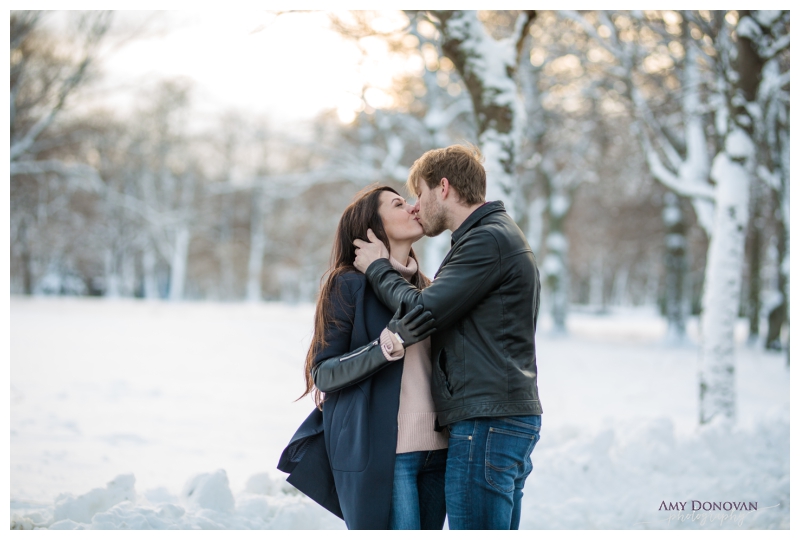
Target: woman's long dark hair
x,y
360,215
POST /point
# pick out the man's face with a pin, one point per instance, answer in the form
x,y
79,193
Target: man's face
x,y
431,211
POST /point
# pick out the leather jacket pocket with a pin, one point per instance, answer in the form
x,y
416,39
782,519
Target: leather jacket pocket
x,y
440,375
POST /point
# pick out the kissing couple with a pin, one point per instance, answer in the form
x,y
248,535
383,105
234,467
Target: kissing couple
x,y
426,391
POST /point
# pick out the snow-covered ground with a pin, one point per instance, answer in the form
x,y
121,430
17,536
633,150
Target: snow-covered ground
x,y
132,414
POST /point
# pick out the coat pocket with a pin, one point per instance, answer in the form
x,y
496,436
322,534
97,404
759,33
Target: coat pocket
x,y
350,431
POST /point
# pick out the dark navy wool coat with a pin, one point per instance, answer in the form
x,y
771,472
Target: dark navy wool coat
x,y
346,453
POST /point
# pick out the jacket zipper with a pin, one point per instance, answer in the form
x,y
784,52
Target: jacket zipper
x,y
358,351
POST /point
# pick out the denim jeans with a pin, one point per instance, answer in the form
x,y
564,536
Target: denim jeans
x,y
418,491
487,464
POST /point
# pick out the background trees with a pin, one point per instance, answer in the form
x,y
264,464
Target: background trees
x,y
46,73
718,88
620,141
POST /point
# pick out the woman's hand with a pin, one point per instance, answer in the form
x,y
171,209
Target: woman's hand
x,y
412,327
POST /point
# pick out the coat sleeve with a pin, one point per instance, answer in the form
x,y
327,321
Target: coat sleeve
x,y
336,366
472,271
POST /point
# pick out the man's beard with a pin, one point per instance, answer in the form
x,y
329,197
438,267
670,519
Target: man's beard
x,y
436,221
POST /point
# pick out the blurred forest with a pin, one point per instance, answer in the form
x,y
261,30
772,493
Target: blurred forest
x,y
645,154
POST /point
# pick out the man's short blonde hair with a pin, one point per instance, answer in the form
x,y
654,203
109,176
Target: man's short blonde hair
x,y
460,164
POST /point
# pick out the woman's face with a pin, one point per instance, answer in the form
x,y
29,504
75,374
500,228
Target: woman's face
x,y
399,219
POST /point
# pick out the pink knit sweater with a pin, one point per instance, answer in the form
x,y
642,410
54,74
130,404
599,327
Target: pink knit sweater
x,y
416,417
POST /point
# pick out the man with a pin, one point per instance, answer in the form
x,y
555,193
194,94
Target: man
x,y
485,299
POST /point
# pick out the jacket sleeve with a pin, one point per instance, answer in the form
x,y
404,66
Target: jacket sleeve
x,y
336,366
472,271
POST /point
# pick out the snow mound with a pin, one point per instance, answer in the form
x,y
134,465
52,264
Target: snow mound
x,y
618,477
209,491
206,502
81,509
613,478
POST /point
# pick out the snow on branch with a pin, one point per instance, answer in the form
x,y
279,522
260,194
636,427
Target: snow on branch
x,y
437,119
61,168
771,179
668,178
95,27
648,117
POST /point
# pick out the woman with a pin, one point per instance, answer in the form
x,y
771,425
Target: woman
x,y
387,461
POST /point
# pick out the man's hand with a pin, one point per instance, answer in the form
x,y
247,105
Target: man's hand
x,y
369,252
411,327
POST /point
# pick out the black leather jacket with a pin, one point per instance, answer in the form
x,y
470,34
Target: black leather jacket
x,y
485,299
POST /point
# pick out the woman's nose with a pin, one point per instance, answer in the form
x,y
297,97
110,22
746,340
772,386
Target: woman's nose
x,y
412,208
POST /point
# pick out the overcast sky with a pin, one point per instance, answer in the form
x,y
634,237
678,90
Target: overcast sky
x,y
289,67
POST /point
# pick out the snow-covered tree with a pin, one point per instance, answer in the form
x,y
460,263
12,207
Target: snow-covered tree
x,y
760,38
488,68
555,154
675,145
764,35
718,188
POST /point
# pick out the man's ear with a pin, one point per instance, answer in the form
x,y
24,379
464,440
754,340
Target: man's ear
x,y
444,183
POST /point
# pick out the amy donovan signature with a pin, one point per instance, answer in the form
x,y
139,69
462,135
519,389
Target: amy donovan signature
x,y
709,512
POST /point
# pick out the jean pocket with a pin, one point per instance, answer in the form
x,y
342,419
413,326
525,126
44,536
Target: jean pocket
x,y
460,444
533,422
506,454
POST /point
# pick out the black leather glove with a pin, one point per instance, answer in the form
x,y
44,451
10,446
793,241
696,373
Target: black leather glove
x,y
412,327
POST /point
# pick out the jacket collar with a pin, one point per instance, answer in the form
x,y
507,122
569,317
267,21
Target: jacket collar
x,y
478,214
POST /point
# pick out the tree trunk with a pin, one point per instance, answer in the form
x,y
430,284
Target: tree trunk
x,y
178,264
732,170
753,307
554,266
149,273
596,282
26,259
255,262
27,272
112,278
226,289
554,205
778,313
676,267
182,237
619,290
128,273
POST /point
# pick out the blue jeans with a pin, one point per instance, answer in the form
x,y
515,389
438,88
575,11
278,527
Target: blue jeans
x,y
487,464
418,491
